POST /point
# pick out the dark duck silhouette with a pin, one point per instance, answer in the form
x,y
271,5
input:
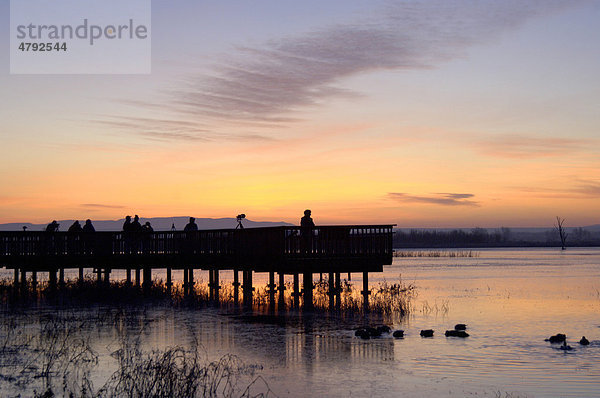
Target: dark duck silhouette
x,y
427,333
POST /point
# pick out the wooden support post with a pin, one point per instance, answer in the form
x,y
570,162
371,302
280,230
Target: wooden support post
x,y
338,290
365,292
272,288
169,282
52,279
281,289
331,291
216,284
23,279
128,277
80,281
34,281
61,278
349,276
247,288
236,285
211,285
296,293
16,281
98,275
107,276
137,277
186,285
191,280
147,279
307,287
320,277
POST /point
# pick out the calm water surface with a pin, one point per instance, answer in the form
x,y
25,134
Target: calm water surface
x,y
510,299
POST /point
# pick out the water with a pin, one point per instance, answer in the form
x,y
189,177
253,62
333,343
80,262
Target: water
x,y
511,300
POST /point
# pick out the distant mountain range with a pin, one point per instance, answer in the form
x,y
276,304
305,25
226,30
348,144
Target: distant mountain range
x,y
591,228
158,223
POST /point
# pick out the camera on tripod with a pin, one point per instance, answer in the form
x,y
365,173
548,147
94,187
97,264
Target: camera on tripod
x,y
239,219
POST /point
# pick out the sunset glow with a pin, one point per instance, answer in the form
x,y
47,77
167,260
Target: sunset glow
x,y
422,114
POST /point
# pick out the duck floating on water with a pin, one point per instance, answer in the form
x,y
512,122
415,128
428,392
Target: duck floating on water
x,y
399,334
460,326
427,333
557,338
584,341
456,333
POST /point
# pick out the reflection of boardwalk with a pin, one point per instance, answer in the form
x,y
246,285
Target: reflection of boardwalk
x,y
305,349
282,250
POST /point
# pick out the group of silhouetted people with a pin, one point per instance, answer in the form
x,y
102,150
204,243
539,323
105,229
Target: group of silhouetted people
x,y
74,228
136,226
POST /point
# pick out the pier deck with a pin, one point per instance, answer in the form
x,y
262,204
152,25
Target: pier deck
x,y
283,250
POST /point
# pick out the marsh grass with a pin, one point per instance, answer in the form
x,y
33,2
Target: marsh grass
x,y
51,353
390,299
436,253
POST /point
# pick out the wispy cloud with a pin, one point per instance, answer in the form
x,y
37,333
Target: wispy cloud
x,y
576,189
527,146
100,206
271,85
442,199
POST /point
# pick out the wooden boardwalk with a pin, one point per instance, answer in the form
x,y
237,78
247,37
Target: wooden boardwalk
x,y
282,250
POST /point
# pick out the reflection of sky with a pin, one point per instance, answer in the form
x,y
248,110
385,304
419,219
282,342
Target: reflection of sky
x,y
270,107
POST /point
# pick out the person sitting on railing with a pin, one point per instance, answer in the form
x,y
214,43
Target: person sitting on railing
x,y
75,227
306,231
191,226
52,227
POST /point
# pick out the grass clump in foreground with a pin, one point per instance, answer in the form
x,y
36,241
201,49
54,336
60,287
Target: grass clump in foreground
x,y
55,353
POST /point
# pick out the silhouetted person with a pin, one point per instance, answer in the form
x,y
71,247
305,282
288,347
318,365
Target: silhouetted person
x,y
24,228
147,227
306,231
135,225
191,226
75,227
88,227
52,227
147,238
127,238
127,224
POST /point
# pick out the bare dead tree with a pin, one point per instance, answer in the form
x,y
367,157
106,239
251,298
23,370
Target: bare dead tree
x,y
561,232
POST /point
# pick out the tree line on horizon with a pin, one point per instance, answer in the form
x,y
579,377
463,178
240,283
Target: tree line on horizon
x,y
482,237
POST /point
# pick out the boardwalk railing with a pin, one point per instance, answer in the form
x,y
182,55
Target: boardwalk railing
x,y
223,248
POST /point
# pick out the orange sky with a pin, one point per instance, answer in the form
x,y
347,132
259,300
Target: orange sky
x,y
496,127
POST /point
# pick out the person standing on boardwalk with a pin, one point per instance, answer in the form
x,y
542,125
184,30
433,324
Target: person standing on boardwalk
x,y
306,231
191,226
88,238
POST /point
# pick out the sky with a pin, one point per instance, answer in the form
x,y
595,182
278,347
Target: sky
x,y
434,113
